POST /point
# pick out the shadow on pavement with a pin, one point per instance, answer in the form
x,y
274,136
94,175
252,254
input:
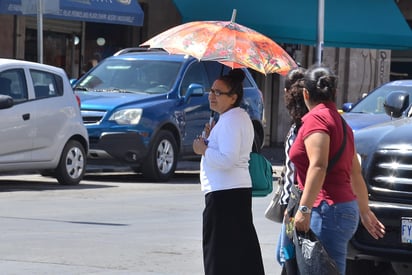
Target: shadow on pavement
x,y
7,185
66,221
180,177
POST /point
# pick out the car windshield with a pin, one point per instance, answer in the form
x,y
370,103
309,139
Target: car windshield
x,y
373,102
131,76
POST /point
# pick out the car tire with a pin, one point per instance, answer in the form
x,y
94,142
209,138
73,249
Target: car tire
x,y
72,164
161,161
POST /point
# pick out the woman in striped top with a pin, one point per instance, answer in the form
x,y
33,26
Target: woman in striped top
x,y
296,107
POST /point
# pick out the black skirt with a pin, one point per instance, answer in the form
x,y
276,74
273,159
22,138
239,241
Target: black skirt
x,y
230,242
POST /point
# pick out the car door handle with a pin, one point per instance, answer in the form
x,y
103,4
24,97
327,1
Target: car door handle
x,y
26,116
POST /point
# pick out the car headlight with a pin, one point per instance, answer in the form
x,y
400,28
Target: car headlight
x,y
127,116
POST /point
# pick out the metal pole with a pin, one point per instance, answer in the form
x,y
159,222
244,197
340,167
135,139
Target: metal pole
x,y
40,10
82,47
321,26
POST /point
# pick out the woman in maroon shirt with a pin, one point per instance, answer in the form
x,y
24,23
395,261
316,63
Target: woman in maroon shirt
x,y
332,200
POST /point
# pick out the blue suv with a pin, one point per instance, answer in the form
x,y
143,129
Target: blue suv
x,y
143,108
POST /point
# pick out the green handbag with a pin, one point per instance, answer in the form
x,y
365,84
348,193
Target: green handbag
x,y
261,172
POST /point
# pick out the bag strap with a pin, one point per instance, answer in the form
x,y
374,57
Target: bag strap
x,y
255,148
336,157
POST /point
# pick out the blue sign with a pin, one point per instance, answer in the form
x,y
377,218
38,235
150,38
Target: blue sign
x,y
124,12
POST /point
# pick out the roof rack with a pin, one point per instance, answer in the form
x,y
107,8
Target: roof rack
x,y
137,49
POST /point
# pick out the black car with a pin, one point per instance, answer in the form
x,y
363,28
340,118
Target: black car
x,y
385,151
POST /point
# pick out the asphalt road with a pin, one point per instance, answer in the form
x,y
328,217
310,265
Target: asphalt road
x,y
110,224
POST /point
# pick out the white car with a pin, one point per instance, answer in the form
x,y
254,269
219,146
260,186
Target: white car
x,y
41,129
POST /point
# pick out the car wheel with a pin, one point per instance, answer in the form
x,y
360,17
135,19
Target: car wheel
x,y
160,164
72,164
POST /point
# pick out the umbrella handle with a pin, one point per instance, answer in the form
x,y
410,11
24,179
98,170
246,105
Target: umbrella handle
x,y
212,116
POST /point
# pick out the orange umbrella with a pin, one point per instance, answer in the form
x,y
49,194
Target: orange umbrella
x,y
226,42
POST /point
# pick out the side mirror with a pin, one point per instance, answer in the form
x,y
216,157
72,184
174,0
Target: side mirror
x,y
6,101
346,107
396,103
194,90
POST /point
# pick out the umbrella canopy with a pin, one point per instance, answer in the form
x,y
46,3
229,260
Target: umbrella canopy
x,y
227,42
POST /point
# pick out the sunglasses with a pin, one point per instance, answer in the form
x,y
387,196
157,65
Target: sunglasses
x,y
219,93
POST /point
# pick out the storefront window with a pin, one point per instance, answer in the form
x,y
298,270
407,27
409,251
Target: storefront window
x,y
58,49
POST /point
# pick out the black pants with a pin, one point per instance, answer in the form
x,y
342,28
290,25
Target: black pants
x,y
230,243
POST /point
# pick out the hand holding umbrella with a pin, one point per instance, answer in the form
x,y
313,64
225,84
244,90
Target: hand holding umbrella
x,y
209,126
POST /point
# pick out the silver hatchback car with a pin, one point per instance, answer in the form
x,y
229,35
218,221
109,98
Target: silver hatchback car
x,y
41,129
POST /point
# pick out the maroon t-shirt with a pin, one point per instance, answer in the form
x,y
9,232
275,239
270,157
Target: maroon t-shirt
x,y
337,185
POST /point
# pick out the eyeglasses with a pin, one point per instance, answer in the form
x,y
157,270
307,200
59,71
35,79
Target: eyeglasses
x,y
219,93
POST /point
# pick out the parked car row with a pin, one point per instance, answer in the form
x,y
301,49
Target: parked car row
x,y
140,108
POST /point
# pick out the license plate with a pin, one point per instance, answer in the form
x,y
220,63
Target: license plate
x,y
406,230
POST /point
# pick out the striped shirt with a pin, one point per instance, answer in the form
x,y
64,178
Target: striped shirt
x,y
288,172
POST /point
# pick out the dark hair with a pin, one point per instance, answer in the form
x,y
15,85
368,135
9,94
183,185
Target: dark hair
x,y
294,102
234,80
321,84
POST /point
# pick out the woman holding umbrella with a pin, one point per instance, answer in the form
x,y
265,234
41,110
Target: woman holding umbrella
x,y
230,243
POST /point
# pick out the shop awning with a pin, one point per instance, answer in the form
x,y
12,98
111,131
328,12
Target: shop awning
x,y
124,12
375,24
